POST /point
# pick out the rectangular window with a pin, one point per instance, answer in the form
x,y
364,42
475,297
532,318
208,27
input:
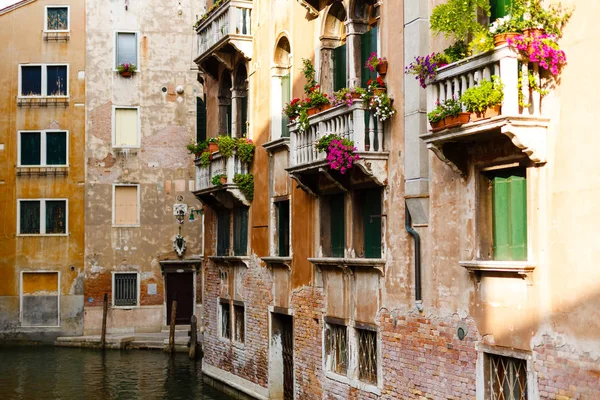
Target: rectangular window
x,y
223,231
367,355
42,217
44,80
126,48
283,228
240,231
126,210
336,348
125,290
240,324
506,378
509,214
337,213
200,120
286,96
340,75
126,128
225,321
45,148
40,292
57,18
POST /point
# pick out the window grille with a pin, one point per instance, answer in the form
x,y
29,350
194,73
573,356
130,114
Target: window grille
x,y
240,325
225,318
57,18
125,290
367,355
337,349
507,378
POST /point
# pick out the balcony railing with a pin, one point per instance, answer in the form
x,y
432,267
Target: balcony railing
x,y
354,123
219,165
231,19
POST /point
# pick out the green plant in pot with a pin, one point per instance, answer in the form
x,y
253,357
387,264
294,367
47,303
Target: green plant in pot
x,y
485,99
205,159
458,18
436,117
226,145
219,180
453,113
197,148
245,183
245,150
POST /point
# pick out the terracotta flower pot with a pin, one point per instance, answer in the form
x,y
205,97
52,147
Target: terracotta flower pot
x,y
533,32
437,126
463,117
489,113
125,74
379,91
212,147
502,38
451,121
318,109
355,95
223,180
382,68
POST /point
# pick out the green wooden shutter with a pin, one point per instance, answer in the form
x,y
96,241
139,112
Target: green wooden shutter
x,y
286,97
368,45
283,227
229,120
200,120
30,148
372,223
56,148
223,230
244,116
510,218
340,76
337,222
499,9
240,231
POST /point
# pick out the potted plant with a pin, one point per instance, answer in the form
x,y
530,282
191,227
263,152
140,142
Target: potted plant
x,y
205,159
346,96
341,153
425,68
484,100
213,144
226,145
537,20
292,109
219,180
197,148
126,69
316,101
245,150
378,64
245,183
541,49
453,114
382,105
503,29
376,86
436,118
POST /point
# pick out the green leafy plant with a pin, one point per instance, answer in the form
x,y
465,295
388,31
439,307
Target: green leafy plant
x,y
452,107
483,96
208,12
216,180
453,53
482,43
316,98
226,145
437,114
323,143
197,148
205,159
346,96
381,104
245,150
533,15
308,70
458,18
126,67
532,84
303,123
246,184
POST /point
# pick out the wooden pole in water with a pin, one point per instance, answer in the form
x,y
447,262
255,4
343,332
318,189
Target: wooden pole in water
x,y
104,314
172,330
193,337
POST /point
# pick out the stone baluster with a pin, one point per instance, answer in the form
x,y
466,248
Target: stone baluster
x,y
509,72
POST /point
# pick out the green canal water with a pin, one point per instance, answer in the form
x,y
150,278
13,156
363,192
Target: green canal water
x,y
32,373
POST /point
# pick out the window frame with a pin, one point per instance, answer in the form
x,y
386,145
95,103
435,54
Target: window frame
x,y
233,320
21,273
113,274
114,127
114,190
43,148
44,83
330,325
68,7
42,220
115,50
224,303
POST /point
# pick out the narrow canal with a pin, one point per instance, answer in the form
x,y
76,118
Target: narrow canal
x,y
32,373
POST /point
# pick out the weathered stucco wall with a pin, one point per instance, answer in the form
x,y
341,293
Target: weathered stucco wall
x,y
21,32
161,166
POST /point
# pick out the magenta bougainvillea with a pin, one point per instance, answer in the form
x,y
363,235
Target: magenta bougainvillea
x,y
341,153
542,49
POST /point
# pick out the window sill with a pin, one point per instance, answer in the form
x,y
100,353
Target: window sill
x,y
126,226
125,307
277,144
43,101
366,387
230,260
276,260
42,234
522,268
45,170
374,263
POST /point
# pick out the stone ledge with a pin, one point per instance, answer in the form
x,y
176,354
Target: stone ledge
x,y
237,383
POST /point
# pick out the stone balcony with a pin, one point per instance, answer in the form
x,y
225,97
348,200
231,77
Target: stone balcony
x,y
525,126
225,32
227,195
310,168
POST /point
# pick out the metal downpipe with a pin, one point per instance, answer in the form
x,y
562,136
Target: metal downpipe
x,y
415,235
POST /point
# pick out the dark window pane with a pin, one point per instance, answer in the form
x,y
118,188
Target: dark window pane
x,y
56,148
30,217
125,290
372,223
57,80
240,231
30,148
339,68
200,120
31,81
225,321
58,19
126,48
337,220
56,216
223,233
283,229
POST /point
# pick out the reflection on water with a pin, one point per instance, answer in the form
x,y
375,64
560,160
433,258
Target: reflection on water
x,y
63,373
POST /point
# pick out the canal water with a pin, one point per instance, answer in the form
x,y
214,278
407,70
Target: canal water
x,y
49,373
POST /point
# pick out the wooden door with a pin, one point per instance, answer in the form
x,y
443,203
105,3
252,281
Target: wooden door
x,y
180,285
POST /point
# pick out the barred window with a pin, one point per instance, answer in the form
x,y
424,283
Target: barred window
x,y
57,18
225,321
367,355
506,378
336,348
125,290
240,324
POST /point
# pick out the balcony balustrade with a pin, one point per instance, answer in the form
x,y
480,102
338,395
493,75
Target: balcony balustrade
x,y
526,126
228,194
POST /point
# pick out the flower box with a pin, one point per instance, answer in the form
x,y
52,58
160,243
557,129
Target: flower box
x,y
489,113
126,74
454,121
382,68
438,125
502,38
379,91
318,109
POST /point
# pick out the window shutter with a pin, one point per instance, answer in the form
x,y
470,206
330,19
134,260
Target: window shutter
x,y
223,233
340,77
240,231
499,9
518,217
30,148
337,222
244,116
286,97
200,120
368,45
372,223
126,205
283,228
126,127
56,148
500,218
229,120
126,48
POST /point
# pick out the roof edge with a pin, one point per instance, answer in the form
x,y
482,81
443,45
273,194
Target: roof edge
x,y
12,7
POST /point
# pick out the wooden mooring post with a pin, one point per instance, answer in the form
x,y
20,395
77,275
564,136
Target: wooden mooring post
x,y
193,337
172,327
104,315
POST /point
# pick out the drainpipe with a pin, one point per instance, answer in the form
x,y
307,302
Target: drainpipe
x,y
415,235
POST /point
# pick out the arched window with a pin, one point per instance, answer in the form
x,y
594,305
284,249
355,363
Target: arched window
x,y
281,88
334,51
240,101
